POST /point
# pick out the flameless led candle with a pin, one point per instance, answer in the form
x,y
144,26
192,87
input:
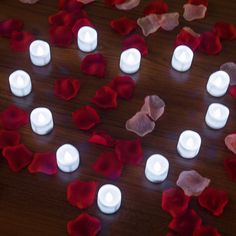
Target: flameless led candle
x,y
41,120
20,83
182,58
40,54
157,167
87,39
218,83
67,158
189,144
130,60
217,116
109,199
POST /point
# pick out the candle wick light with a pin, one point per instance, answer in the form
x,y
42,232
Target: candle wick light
x,y
19,80
39,51
87,36
41,118
218,82
217,113
190,143
183,57
67,157
130,59
157,167
108,197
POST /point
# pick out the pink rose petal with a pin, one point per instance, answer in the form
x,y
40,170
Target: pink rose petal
x,y
169,21
140,124
192,183
230,142
194,12
230,68
128,5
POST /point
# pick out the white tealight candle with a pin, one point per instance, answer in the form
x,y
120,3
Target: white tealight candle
x,y
87,39
182,58
67,158
218,83
130,60
20,83
40,54
217,116
109,199
41,120
189,144
157,167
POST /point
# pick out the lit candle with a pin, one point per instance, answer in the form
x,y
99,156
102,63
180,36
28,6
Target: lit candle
x,y
40,54
218,83
67,158
189,144
217,116
41,120
157,167
20,83
109,199
87,39
130,60
182,58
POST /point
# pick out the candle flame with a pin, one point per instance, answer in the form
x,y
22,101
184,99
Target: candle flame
x,y
190,143
183,56
157,167
19,80
87,36
108,197
39,50
218,81
67,157
130,59
217,113
41,118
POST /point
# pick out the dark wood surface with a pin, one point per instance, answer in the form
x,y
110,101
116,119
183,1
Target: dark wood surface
x,y
36,204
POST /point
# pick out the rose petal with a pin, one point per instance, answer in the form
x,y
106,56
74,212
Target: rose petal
x,y
80,23
20,41
9,138
17,157
86,1
140,124
214,200
169,21
210,43
232,91
156,7
204,230
225,30
84,225
108,165
67,88
149,24
188,37
29,1
192,182
105,98
7,27
81,193
199,2
129,151
13,118
102,138
94,64
175,202
230,167
123,25
44,163
124,86
136,41
61,36
70,5
230,68
194,12
230,142
86,117
185,224
128,5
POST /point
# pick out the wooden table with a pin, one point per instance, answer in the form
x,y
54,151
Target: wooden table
x,y
36,204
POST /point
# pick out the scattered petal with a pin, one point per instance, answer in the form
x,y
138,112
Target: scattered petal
x,y
204,230
230,167
70,5
7,27
214,200
232,91
225,30
80,23
128,5
102,138
17,157
199,2
9,138
20,41
194,12
192,183
156,7
169,21
230,68
230,142
81,193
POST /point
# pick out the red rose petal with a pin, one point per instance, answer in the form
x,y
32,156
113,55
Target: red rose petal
x,y
225,30
230,142
128,5
86,117
129,151
84,225
185,224
9,138
67,88
81,193
13,118
105,98
44,163
188,37
138,42
232,91
123,25
199,2
108,165
70,5
61,36
20,41
94,64
80,23
114,2
230,167
102,138
156,7
17,157
169,21
214,200
175,202
204,230
7,27
194,12
210,43
230,68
